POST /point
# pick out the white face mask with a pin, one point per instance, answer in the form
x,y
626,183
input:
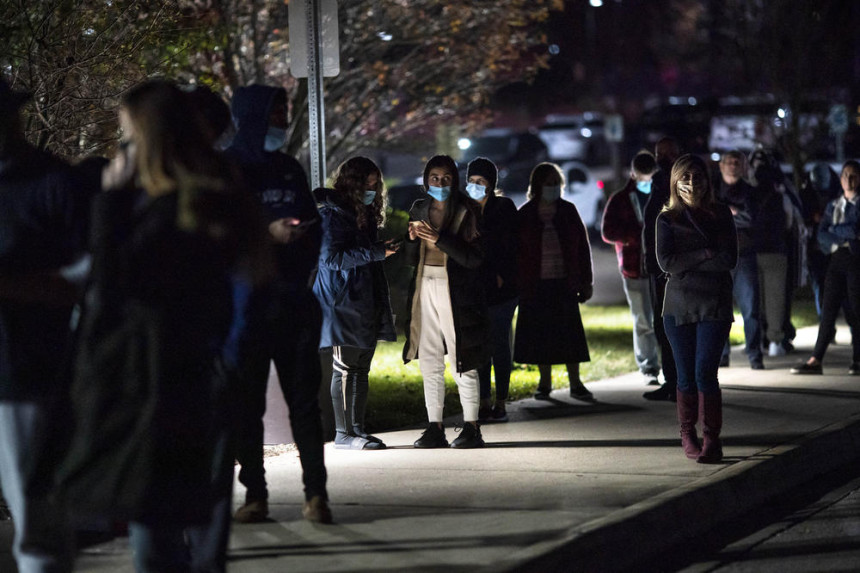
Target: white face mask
x,y
275,138
476,191
551,193
369,196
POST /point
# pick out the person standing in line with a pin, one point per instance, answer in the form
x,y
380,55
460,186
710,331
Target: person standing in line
x,y
555,277
41,231
447,307
500,274
735,192
839,235
623,219
166,237
772,230
666,151
282,320
353,292
820,187
697,248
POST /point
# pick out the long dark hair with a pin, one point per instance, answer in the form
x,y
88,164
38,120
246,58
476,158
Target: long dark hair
x,y
349,184
456,198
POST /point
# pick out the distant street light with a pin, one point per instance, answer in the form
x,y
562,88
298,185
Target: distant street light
x,y
596,3
464,143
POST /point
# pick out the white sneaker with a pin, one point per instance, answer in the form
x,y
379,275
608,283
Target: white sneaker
x,y
776,349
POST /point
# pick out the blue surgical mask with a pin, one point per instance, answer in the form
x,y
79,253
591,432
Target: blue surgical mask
x,y
369,196
551,193
275,138
440,193
644,186
476,191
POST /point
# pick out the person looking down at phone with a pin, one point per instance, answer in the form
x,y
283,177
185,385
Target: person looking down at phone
x,y
353,292
281,321
447,306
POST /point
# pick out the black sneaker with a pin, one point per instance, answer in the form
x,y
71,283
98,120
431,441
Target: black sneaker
x,y
470,437
499,413
806,368
433,437
855,369
664,392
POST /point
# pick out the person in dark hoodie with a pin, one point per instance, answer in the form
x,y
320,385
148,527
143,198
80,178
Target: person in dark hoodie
x,y
41,228
282,320
500,280
447,307
353,292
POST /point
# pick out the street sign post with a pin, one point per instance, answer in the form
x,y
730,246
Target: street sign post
x,y
314,53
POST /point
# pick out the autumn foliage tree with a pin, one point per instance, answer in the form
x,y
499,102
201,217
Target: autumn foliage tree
x,y
405,65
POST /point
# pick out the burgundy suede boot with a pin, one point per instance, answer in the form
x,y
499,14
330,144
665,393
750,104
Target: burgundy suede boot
x,y
712,422
688,415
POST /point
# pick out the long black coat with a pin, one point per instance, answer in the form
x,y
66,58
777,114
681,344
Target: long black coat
x,y
465,283
156,318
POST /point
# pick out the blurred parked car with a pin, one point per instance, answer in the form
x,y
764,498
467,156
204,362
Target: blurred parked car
x,y
578,137
514,153
586,189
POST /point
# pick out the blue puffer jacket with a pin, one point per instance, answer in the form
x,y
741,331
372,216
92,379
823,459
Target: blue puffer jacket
x,y
350,284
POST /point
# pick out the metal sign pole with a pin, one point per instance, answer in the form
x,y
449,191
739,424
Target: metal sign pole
x,y
316,107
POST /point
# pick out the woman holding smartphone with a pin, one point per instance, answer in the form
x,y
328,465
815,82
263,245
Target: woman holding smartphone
x,y
353,292
447,306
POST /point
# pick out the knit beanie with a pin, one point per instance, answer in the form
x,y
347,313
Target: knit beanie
x,y
485,168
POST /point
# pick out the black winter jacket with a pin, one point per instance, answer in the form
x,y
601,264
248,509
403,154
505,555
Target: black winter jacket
x,y
499,229
465,284
42,220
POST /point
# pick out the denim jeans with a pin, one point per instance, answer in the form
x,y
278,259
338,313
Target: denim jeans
x,y
697,348
43,537
645,347
501,317
747,297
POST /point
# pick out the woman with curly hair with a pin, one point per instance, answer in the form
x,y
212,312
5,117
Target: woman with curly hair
x,y
353,292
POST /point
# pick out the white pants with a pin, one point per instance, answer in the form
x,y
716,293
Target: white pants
x,y
43,536
437,333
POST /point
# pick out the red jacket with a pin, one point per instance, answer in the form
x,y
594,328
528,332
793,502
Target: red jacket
x,y
573,238
622,226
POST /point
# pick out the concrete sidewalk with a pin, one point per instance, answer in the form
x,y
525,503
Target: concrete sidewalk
x,y
564,486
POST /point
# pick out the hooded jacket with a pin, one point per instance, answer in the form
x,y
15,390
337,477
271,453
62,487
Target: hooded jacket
x,y
351,284
277,181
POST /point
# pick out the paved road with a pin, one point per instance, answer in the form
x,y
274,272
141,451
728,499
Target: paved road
x,y
823,535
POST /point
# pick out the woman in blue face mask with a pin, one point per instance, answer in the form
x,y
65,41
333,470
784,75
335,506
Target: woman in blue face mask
x,y
353,292
555,275
498,229
446,251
